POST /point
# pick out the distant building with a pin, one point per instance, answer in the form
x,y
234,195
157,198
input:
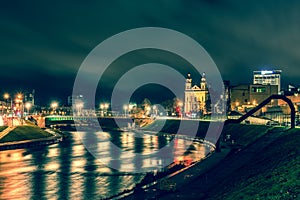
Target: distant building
x,y
77,102
75,99
29,97
270,77
227,96
196,96
249,96
293,93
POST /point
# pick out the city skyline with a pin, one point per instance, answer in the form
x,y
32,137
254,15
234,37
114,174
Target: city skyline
x,y
43,45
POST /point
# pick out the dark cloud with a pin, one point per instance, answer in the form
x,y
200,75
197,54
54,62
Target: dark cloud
x,y
44,42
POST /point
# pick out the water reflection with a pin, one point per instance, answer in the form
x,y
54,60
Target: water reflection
x,y
68,171
38,176
64,158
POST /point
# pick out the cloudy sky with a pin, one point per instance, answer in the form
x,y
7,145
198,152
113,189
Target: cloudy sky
x,y
43,43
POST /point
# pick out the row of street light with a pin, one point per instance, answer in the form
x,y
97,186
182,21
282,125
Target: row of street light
x,y
18,107
19,103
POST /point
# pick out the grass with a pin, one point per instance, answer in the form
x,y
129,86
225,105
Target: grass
x,y
273,174
21,133
2,128
243,134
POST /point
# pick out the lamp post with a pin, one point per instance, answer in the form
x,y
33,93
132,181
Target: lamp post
x,y
79,107
125,107
7,96
155,109
19,100
101,110
54,105
254,103
237,104
28,106
106,105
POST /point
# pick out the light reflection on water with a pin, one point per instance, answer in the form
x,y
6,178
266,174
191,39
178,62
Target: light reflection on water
x,y
68,171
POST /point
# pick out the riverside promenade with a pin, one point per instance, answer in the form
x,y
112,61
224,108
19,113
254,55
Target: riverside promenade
x,y
14,137
6,131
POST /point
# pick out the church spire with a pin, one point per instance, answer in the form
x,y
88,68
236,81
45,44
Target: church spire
x,y
203,82
188,82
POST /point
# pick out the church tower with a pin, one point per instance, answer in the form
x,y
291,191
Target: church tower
x,y
188,82
203,82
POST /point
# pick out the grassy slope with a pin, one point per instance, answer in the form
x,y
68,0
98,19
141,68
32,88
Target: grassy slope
x,y
25,133
274,174
244,134
2,128
250,132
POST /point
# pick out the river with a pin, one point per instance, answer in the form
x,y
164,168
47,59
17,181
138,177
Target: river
x,y
68,171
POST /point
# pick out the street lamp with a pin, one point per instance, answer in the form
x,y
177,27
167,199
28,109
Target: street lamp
x,y
180,104
237,104
103,107
125,107
106,106
7,96
101,110
155,109
19,100
28,106
19,96
54,105
79,107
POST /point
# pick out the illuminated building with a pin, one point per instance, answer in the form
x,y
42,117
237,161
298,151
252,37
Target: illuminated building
x,y
270,77
248,96
196,96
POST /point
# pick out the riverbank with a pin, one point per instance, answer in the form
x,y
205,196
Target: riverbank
x,y
269,168
238,134
235,138
263,163
273,172
28,136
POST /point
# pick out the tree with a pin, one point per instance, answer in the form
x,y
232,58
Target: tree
x,y
146,106
208,105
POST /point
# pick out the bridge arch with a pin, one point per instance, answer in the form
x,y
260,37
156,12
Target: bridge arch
x,y
262,104
257,108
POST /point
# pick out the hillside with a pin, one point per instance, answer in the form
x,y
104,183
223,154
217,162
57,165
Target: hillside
x,y
271,174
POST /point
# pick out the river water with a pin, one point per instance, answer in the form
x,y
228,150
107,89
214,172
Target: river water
x,y
68,171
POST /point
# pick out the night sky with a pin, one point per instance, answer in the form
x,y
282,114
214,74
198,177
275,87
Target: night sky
x,y
43,43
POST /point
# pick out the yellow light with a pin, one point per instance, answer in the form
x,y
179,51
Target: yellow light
x,y
6,96
148,108
28,105
19,96
54,105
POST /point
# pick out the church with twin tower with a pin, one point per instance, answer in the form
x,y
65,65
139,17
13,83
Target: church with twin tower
x,y
195,96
